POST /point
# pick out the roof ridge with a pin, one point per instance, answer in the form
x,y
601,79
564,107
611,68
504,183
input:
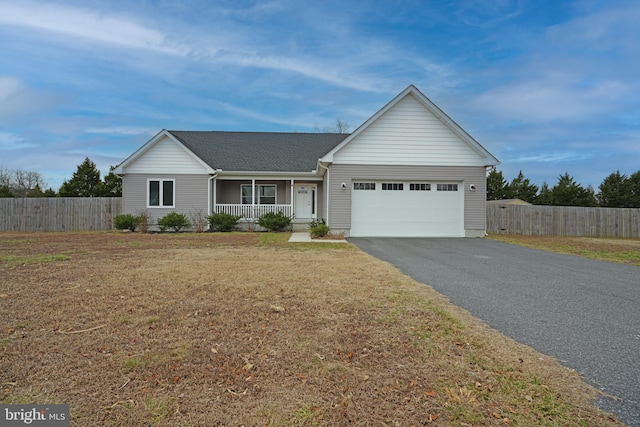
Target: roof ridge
x,y
261,132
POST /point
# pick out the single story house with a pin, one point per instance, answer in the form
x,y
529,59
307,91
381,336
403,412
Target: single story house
x,y
408,171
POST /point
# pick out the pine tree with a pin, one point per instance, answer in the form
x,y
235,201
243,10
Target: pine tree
x,y
496,185
521,188
615,191
569,193
112,184
544,195
5,191
634,190
85,182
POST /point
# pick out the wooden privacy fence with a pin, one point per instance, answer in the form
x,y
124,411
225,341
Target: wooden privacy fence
x,y
534,220
59,213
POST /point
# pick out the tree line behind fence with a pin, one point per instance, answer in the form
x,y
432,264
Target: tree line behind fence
x,y
97,213
59,213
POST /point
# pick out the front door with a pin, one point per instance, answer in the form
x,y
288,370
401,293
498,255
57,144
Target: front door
x,y
305,201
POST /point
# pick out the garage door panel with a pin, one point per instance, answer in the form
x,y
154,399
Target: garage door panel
x,y
406,213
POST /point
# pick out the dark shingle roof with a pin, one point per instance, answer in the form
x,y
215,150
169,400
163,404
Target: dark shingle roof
x,y
260,151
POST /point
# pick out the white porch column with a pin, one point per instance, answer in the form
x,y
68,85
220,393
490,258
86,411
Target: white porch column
x,y
292,212
253,198
212,195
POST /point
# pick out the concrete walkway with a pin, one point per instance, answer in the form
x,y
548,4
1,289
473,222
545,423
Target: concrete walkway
x,y
305,237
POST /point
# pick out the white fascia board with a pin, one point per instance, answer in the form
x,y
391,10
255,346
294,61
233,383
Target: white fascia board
x,y
121,168
311,176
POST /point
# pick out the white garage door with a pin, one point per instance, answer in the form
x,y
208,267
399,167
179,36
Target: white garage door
x,y
407,209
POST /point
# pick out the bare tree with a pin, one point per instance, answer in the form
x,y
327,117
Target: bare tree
x,y
21,182
339,127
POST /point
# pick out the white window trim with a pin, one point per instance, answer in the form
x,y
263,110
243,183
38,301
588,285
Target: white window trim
x,y
256,194
160,205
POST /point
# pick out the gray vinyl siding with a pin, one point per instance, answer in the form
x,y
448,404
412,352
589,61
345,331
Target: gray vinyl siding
x,y
190,194
474,201
228,191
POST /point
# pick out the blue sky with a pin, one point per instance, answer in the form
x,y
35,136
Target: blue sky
x,y
547,86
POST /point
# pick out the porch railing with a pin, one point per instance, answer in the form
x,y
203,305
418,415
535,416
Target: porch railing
x,y
250,212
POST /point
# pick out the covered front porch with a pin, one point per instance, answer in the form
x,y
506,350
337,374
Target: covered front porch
x,y
250,198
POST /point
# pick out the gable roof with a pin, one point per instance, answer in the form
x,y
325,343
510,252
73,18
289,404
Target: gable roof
x,y
284,151
490,160
247,151
120,169
259,151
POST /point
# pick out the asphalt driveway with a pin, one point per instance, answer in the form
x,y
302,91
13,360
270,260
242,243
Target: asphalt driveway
x,y
584,313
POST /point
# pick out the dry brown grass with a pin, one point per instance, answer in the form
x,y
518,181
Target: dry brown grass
x,y
245,329
621,251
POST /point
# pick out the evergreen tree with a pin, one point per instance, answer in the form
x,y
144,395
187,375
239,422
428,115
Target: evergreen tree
x,y
85,182
112,184
634,190
521,188
615,191
569,193
5,191
496,185
35,192
49,192
544,195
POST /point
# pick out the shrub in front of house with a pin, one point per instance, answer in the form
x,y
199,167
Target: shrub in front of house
x,y
199,220
126,222
221,221
144,219
318,228
174,221
273,221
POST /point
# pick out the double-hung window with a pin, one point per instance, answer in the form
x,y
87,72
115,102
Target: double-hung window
x,y
161,193
264,194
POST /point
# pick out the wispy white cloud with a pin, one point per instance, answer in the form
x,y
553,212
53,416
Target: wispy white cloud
x,y
18,100
325,71
581,69
85,24
564,156
551,97
486,13
121,130
614,27
289,121
232,44
10,141
8,87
